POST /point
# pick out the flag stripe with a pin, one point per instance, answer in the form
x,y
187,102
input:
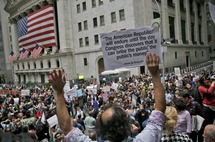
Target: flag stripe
x,y
33,42
40,29
44,15
39,22
41,26
36,35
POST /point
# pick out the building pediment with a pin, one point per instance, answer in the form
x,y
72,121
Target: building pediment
x,y
12,5
15,7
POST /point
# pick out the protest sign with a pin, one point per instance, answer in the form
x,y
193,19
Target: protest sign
x,y
72,93
106,88
28,121
79,92
177,71
25,92
16,100
105,97
128,48
52,121
66,87
92,89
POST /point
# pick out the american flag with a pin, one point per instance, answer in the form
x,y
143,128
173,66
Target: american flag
x,y
37,50
12,56
37,27
24,53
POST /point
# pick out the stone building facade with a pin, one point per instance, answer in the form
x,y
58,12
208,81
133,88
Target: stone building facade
x,y
79,23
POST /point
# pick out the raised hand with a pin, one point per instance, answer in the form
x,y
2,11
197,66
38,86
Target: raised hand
x,y
58,80
152,62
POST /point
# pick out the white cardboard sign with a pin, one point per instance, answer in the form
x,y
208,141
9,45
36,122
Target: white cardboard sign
x,y
128,48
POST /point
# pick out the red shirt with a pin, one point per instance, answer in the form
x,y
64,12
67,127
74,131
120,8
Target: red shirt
x,y
207,95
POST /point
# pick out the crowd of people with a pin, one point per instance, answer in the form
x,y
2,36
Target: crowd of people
x,y
139,108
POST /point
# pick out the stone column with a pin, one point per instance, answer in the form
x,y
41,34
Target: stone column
x,y
196,23
14,35
204,24
178,22
165,19
188,22
61,25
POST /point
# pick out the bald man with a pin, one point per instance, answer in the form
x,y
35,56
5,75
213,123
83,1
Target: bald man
x,y
113,122
209,133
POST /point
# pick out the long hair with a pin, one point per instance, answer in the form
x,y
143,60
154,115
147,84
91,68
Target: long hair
x,y
172,117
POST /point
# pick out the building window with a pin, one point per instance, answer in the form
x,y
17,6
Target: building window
x,y
35,65
156,15
29,67
18,66
172,28
122,15
200,34
85,25
192,32
183,31
41,64
93,3
102,20
113,17
85,62
10,38
80,42
49,64
86,41
195,54
176,55
58,63
101,2
23,66
96,39
84,6
9,29
202,53
79,27
95,24
78,8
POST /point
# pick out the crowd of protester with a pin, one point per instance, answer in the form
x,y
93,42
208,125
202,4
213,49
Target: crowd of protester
x,y
187,96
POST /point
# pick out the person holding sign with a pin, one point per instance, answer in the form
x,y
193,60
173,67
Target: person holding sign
x,y
113,123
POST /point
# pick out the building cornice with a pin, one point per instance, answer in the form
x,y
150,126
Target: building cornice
x,y
18,7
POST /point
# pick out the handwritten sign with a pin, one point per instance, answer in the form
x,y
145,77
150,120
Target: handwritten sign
x,y
52,121
28,121
128,48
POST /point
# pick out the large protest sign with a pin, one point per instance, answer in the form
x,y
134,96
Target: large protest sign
x,y
128,48
25,92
